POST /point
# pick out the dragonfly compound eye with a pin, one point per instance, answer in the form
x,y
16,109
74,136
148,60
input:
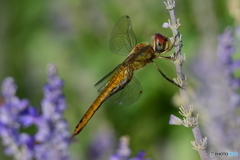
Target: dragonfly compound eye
x,y
160,43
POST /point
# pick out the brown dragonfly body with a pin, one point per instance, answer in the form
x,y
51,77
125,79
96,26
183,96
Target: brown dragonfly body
x,y
116,83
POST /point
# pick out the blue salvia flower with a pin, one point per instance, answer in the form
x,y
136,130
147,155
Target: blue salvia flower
x,y
17,144
231,122
51,140
140,156
219,101
124,152
225,52
53,133
101,145
228,65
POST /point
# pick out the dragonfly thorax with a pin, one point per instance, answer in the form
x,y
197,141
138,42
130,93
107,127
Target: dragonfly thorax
x,y
141,55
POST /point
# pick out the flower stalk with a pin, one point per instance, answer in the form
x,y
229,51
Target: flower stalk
x,y
186,110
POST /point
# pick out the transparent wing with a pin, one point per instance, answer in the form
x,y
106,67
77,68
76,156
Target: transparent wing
x,y
123,39
127,96
102,83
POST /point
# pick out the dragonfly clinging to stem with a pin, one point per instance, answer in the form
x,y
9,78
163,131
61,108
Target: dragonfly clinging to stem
x,y
120,85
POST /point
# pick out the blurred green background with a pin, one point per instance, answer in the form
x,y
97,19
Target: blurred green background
x,y
74,35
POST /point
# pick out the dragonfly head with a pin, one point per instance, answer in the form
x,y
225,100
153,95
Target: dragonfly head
x,y
160,43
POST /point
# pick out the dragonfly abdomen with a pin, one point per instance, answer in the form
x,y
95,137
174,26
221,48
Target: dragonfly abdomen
x,y
117,82
90,112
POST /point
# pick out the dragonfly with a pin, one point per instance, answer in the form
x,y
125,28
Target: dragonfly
x,y
120,85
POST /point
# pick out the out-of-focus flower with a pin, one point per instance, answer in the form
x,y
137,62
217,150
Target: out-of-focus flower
x,y
53,133
217,99
101,145
140,156
17,144
124,152
51,140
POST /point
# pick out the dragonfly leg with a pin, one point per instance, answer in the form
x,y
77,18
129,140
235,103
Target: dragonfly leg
x,y
174,41
163,57
159,70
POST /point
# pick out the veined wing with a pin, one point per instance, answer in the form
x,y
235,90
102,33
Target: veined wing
x,y
123,39
127,96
